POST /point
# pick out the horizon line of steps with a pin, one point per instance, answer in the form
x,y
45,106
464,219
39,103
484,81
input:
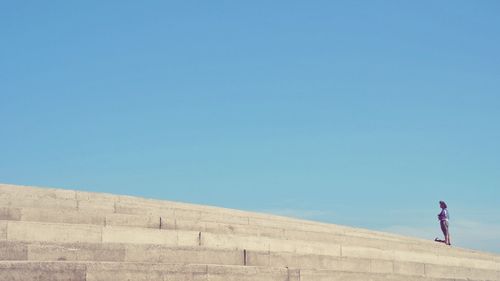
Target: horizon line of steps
x,y
110,222
321,258
151,222
254,248
103,203
285,228
207,218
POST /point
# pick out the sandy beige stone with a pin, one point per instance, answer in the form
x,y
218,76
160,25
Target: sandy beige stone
x,y
51,232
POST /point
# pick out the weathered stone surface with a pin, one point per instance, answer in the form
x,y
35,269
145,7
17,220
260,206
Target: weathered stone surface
x,y
3,230
234,242
382,266
145,221
47,203
19,191
11,214
409,268
103,206
116,234
138,271
243,273
13,251
50,234
39,271
76,252
61,216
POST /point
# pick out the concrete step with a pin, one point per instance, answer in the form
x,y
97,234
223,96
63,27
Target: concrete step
x,y
105,271
204,223
328,275
67,233
350,243
123,237
102,252
200,218
118,252
157,222
20,196
72,233
24,196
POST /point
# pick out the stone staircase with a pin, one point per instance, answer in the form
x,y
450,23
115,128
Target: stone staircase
x,y
55,234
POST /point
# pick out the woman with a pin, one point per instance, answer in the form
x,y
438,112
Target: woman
x,y
443,220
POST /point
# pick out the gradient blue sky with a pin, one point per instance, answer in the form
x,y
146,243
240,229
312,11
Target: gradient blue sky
x,y
364,113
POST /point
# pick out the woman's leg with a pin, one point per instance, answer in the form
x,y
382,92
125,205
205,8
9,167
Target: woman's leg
x,y
444,229
446,232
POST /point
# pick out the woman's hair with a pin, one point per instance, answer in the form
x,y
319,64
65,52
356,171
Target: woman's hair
x,y
443,204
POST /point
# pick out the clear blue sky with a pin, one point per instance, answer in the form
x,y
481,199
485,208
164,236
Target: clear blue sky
x,y
364,113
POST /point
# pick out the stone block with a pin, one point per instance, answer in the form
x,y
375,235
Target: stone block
x,y
283,259
317,248
94,252
468,262
140,272
312,236
418,257
18,191
102,206
219,217
246,273
3,230
409,268
116,234
244,230
49,203
61,216
145,221
328,263
316,275
181,224
185,214
226,241
186,238
264,231
293,275
190,255
126,275
145,253
281,245
101,252
292,260
17,273
41,271
355,265
96,196
257,258
382,266
44,252
223,228
482,274
368,253
439,271
10,214
49,232
134,208
327,275
13,251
